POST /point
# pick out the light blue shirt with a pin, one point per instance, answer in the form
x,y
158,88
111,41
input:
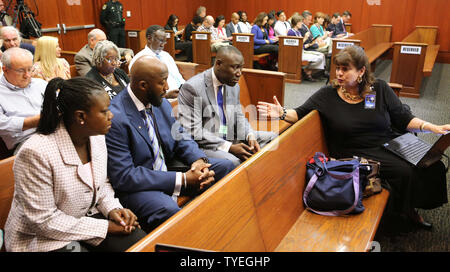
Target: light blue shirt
x,y
16,104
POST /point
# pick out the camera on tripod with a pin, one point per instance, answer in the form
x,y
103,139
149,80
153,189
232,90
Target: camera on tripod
x,y
29,27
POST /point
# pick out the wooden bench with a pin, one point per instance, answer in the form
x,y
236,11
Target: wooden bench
x,y
73,71
375,40
245,42
258,206
6,188
69,56
414,58
290,61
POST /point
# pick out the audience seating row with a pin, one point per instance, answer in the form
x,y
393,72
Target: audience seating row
x,y
414,58
376,40
258,206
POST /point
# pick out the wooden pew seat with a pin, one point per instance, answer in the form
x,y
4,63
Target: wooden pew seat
x,y
313,232
430,59
375,52
258,206
6,188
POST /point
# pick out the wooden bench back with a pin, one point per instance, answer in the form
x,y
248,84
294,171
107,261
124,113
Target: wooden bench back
x,y
221,219
290,57
368,39
6,188
409,58
255,205
69,56
277,177
73,71
201,49
169,47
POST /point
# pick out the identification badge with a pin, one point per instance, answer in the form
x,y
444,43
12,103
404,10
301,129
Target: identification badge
x,y
369,101
223,130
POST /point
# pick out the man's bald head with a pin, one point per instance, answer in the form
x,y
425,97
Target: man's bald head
x,y
234,18
94,36
228,65
148,80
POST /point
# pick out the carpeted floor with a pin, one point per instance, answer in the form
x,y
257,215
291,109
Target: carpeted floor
x,y
433,106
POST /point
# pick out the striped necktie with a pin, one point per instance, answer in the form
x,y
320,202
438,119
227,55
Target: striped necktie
x,y
159,163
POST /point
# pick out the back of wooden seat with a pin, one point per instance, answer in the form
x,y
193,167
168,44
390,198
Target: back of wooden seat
x,y
201,49
6,188
290,58
221,219
73,71
277,189
187,69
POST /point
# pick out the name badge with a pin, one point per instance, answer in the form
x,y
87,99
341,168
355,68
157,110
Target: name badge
x,y
369,101
223,130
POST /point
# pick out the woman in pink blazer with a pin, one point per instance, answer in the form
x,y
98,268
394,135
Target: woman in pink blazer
x,y
63,200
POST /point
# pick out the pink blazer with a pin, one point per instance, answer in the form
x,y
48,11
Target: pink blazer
x,y
52,200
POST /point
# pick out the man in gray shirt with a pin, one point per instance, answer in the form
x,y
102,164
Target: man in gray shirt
x,y
21,97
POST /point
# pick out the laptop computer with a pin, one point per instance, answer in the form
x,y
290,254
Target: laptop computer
x,y
416,151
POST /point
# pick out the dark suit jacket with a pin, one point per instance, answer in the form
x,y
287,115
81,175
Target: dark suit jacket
x,y
130,156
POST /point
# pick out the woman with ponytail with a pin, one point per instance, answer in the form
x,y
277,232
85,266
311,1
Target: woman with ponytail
x,y
63,200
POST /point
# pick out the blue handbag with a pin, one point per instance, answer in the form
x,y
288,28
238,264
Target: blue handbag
x,y
334,188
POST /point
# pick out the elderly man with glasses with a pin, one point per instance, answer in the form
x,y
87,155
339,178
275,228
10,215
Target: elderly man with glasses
x,y
21,98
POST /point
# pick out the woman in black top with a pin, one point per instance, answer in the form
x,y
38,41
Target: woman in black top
x,y
106,59
356,125
185,46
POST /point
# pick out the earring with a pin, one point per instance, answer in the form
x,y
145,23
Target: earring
x,y
359,79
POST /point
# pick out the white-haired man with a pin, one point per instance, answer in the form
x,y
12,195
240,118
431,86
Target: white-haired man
x,y
21,98
11,38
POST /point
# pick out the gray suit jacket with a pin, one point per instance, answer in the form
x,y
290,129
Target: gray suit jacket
x,y
199,112
230,29
83,59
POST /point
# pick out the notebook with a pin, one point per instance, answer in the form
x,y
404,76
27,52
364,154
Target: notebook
x,y
416,151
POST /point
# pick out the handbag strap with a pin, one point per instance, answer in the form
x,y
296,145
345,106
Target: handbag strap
x,y
313,180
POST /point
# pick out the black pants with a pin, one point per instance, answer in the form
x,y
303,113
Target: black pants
x,y
112,243
186,47
267,48
117,36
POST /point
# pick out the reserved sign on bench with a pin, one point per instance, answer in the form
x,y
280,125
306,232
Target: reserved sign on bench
x,y
415,50
291,42
342,45
245,39
201,36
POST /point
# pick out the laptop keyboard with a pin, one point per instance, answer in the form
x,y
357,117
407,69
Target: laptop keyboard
x,y
414,151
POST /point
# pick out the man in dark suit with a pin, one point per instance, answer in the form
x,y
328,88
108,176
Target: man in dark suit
x,y
143,138
233,26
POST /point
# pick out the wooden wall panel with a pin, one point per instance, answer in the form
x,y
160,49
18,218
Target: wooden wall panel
x,y
403,15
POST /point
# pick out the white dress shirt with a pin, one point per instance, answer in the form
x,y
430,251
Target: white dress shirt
x,y
175,79
281,28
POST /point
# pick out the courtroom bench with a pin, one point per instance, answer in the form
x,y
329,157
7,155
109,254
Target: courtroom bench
x,y
259,207
6,189
414,58
202,54
376,40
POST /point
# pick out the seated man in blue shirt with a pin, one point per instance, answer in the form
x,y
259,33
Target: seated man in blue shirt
x,y
11,38
21,97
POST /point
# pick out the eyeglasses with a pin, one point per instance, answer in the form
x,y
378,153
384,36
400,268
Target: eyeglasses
x,y
22,71
113,60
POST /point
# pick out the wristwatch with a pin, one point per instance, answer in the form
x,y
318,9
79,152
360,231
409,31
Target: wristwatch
x,y
284,114
205,159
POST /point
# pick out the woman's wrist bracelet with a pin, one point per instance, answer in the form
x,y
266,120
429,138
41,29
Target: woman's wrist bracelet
x,y
284,114
423,126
